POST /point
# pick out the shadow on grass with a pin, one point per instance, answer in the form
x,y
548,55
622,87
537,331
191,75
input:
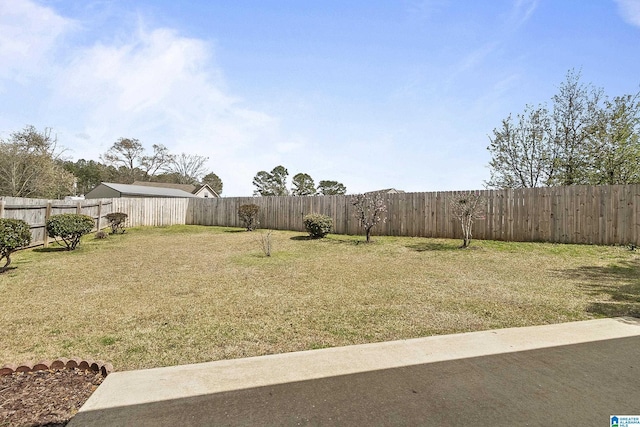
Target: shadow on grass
x,y
620,282
51,249
433,246
302,238
333,239
242,230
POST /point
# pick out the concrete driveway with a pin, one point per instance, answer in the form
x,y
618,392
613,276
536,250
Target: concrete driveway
x,y
575,374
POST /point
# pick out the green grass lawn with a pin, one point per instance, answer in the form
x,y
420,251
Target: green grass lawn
x,y
184,294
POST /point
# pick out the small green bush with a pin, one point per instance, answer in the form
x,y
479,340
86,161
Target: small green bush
x,y
116,221
318,225
14,234
249,216
70,228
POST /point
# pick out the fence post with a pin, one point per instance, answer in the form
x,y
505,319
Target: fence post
x,y
99,213
47,214
2,208
79,208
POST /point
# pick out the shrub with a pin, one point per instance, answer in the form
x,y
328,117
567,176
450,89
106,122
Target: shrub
x,y
70,228
318,225
116,221
14,234
248,215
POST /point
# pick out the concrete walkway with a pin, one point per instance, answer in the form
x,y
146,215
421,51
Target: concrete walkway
x,y
576,373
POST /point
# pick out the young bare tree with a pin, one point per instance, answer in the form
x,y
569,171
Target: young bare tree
x,y
467,207
370,209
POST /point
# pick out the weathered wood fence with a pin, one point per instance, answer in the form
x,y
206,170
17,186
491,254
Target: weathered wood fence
x,y
572,214
36,212
575,214
152,211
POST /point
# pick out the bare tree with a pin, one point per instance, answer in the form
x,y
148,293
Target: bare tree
x,y
467,207
158,161
30,166
370,209
189,167
125,153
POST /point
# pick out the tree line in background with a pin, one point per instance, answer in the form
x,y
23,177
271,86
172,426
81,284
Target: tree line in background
x,y
31,165
585,137
274,183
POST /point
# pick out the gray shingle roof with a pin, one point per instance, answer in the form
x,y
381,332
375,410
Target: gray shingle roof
x,y
140,190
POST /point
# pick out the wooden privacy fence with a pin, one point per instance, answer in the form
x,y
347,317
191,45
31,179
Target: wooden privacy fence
x,y
153,211
36,212
572,214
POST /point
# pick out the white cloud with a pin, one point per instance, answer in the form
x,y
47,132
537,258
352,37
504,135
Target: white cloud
x,y
28,36
426,9
521,11
630,11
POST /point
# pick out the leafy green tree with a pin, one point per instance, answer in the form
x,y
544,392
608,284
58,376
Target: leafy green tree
x,y
303,185
615,142
90,174
575,108
70,228
586,139
331,188
523,153
30,166
213,181
271,184
14,234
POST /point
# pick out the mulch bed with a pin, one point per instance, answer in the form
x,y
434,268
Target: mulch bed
x,y
46,398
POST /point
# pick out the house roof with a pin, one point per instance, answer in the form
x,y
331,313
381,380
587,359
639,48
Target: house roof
x,y
208,187
184,187
143,190
387,191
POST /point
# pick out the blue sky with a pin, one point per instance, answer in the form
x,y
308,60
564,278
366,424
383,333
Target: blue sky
x,y
374,94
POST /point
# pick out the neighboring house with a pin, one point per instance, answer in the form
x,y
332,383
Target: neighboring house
x,y
184,187
109,190
205,191
387,191
200,191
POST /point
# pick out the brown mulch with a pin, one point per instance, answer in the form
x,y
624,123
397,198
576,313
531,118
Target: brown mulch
x,y
44,398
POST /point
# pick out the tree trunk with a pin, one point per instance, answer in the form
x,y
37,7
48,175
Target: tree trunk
x,y
6,265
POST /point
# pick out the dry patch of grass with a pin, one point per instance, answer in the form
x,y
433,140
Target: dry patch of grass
x,y
186,294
